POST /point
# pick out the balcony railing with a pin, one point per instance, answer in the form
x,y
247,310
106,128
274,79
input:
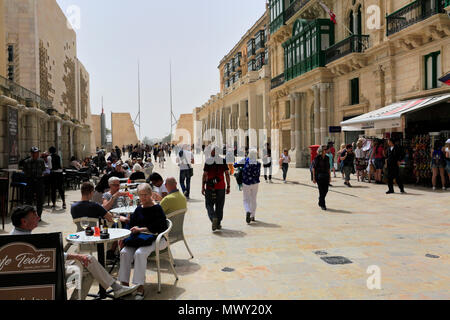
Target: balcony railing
x,y
20,92
277,81
413,13
294,8
354,43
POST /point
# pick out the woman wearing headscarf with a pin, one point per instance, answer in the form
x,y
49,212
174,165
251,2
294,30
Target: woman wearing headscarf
x,y
251,173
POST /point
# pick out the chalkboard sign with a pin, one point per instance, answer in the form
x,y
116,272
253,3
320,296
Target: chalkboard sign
x,y
32,267
13,135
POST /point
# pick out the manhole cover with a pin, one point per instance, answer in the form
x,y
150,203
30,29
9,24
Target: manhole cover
x,y
336,260
321,253
227,269
432,256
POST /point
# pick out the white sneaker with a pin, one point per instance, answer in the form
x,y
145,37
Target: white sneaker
x,y
139,296
434,188
124,291
444,188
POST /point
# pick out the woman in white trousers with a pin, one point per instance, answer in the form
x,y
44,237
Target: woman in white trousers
x,y
251,174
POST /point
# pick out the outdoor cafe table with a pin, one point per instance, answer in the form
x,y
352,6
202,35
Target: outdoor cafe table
x,y
114,235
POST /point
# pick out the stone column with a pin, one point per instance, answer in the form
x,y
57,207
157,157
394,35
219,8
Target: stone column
x,y
317,137
292,99
304,113
299,129
323,112
253,109
242,114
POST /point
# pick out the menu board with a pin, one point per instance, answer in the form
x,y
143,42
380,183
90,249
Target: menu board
x,y
13,135
32,267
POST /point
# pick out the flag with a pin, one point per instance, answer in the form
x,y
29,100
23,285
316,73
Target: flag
x,y
446,79
332,15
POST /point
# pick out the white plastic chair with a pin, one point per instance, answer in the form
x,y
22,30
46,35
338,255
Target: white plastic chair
x,y
164,234
177,232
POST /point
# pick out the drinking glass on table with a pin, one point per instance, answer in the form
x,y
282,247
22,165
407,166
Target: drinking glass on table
x,y
84,223
116,218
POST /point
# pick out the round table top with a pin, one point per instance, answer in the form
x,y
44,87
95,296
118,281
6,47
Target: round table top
x,y
114,235
124,210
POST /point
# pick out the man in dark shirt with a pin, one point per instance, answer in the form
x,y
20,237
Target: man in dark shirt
x,y
88,209
322,174
394,157
213,188
34,168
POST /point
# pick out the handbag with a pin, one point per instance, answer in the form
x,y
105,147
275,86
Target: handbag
x,y
191,171
139,240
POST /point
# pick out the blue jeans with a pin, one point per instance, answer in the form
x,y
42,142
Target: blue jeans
x,y
215,201
185,177
285,168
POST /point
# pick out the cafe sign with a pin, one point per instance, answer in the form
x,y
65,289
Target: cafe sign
x,y
32,267
25,258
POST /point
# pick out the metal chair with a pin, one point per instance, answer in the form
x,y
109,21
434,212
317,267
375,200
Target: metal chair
x,y
177,233
18,185
158,251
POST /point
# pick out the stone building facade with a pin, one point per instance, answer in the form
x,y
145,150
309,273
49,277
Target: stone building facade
x,y
379,52
243,100
45,81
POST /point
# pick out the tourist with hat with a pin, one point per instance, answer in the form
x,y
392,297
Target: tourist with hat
x,y
34,168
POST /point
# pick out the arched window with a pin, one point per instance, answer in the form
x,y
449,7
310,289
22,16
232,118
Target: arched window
x,y
351,22
359,22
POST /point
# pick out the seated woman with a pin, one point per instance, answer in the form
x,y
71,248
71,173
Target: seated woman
x,y
149,218
137,173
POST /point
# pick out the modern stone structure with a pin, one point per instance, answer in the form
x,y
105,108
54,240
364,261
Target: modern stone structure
x,y
323,74
123,130
243,101
184,132
47,84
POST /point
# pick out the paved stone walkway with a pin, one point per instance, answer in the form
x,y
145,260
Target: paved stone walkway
x,y
280,256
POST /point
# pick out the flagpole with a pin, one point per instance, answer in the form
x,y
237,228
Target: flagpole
x,y
139,99
171,105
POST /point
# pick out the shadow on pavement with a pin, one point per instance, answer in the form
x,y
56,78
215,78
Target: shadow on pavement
x,y
195,201
227,233
167,291
339,211
58,211
185,267
260,224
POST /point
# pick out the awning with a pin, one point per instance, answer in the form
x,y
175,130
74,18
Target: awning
x,y
390,116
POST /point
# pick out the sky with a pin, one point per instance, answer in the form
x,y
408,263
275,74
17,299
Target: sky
x,y
194,35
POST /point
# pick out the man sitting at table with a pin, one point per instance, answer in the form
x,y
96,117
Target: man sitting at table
x,y
175,200
87,208
25,220
157,181
149,218
111,197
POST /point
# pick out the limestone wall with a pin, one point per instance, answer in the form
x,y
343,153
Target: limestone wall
x,y
123,130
